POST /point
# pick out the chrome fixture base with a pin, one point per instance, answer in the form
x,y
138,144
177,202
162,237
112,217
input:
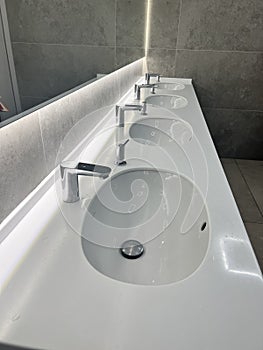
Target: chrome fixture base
x,y
132,249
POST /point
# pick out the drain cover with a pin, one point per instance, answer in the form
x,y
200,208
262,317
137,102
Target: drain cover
x,y
131,249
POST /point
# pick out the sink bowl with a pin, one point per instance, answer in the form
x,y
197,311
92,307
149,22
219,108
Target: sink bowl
x,y
169,86
161,131
167,101
161,210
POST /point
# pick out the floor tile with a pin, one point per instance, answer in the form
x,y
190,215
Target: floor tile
x,y
236,133
255,232
253,174
245,201
227,161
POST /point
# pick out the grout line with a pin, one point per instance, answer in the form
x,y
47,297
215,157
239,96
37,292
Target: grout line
x,y
84,45
228,51
115,60
129,47
42,139
178,26
243,176
61,44
206,50
253,222
178,33
233,109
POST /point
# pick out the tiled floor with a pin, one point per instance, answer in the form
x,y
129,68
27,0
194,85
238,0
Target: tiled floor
x,y
246,180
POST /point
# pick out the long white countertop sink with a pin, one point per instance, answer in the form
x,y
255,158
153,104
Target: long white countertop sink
x,y
64,281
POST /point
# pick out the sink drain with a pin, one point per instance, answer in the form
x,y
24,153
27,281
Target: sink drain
x,y
131,249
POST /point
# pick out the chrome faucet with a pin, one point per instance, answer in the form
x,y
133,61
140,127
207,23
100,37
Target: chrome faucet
x,y
70,171
149,75
137,89
120,111
120,153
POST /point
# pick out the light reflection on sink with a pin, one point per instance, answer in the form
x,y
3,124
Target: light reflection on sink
x,y
170,86
167,101
172,252
161,131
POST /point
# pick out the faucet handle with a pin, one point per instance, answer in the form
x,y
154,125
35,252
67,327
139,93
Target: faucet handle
x,y
124,143
120,153
94,168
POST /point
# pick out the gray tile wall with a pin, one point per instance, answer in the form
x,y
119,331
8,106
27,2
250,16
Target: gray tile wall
x,y
59,44
29,146
220,45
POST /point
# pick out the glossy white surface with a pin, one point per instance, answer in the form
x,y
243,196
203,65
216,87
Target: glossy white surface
x,y
167,101
162,213
161,131
53,298
169,86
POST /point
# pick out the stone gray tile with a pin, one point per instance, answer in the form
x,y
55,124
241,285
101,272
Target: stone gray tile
x,y
164,23
31,101
22,161
89,22
126,55
86,107
253,174
244,199
55,122
224,79
236,133
161,61
255,233
48,70
127,76
221,25
130,23
23,158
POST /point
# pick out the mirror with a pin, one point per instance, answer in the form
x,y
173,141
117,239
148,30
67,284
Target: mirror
x,y
48,47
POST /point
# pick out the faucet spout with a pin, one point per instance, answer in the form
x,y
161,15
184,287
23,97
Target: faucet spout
x,y
137,89
120,111
70,171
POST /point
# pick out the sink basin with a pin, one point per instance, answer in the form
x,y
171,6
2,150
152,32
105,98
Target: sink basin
x,y
167,101
161,210
170,86
160,131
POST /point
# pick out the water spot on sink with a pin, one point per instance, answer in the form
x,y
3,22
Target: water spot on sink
x,y
132,208
15,317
